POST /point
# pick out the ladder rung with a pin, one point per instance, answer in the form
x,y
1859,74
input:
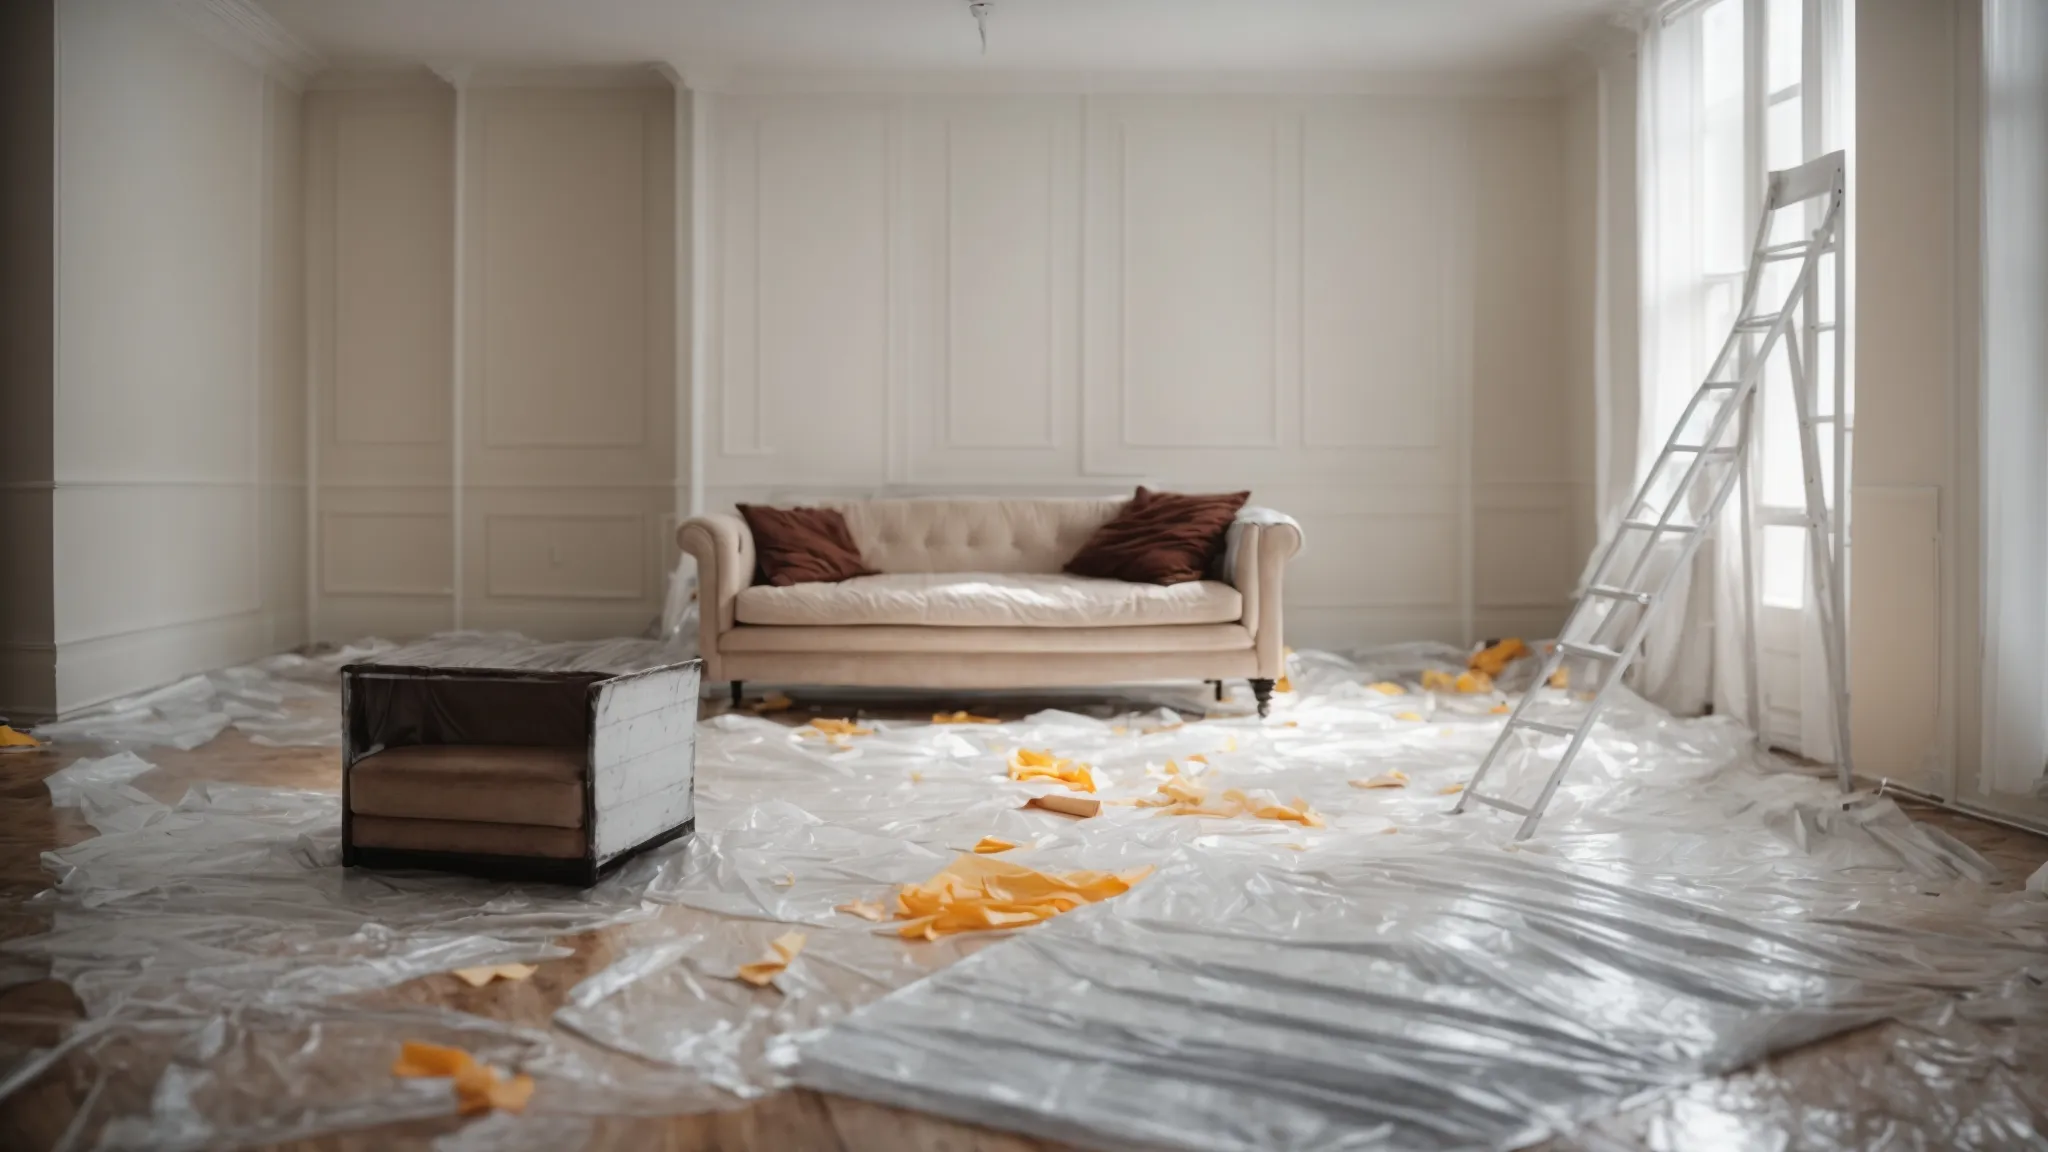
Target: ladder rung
x,y
1756,323
1827,419
1786,252
1720,385
1703,450
1497,802
1824,326
1547,729
1653,526
1613,593
1589,651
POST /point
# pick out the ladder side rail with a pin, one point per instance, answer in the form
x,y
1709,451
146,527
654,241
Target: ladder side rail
x,y
1819,518
1688,549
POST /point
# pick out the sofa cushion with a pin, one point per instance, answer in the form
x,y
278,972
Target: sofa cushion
x,y
907,638
990,600
1160,538
802,545
469,836
474,783
970,535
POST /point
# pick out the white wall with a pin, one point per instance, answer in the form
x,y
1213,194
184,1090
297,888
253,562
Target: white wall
x,y
1353,305
171,542
1913,244
497,449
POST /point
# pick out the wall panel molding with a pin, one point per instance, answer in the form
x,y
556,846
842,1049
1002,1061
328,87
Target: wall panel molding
x,y
1059,292
575,556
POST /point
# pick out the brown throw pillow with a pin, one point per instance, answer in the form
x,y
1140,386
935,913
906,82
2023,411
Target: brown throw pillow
x,y
1160,538
802,545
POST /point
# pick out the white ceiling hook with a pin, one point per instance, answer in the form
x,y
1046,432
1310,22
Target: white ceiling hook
x,y
979,10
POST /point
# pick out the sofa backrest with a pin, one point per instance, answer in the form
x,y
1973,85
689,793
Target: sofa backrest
x,y
995,535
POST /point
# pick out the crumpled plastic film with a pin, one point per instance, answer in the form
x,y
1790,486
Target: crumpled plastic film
x,y
290,700
69,784
1430,999
286,700
1960,1074
1684,908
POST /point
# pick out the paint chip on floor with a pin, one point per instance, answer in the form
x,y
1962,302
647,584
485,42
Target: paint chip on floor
x,y
781,951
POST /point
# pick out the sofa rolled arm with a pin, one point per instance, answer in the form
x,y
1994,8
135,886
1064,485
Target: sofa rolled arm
x,y
723,547
1261,543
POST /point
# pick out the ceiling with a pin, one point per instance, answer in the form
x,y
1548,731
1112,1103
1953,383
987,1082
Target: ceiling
x,y
732,37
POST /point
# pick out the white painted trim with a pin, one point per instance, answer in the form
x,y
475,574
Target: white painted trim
x,y
458,79
1539,84
245,29
92,670
701,289
621,76
376,76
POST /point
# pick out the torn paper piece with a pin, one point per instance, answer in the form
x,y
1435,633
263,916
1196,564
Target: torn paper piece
x,y
1283,684
478,977
1499,710
1562,678
839,727
1407,715
1393,779
13,741
1490,661
1388,688
979,894
781,951
1080,806
962,718
865,909
773,702
1450,790
1026,764
477,1086
990,845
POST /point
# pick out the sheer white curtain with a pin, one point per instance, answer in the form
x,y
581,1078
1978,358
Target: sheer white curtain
x,y
1684,98
2015,396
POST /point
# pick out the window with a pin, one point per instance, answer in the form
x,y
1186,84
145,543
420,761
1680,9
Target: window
x,y
1736,89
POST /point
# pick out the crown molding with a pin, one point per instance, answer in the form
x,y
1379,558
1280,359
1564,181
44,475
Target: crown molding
x,y
252,34
1502,84
368,77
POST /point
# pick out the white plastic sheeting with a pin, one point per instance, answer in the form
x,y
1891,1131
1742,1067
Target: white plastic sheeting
x,y
1398,978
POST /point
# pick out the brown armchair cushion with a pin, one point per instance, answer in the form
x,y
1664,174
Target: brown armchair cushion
x,y
1160,538
802,545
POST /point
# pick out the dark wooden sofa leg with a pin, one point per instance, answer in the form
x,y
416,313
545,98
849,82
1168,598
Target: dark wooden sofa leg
x,y
1263,689
1219,689
736,693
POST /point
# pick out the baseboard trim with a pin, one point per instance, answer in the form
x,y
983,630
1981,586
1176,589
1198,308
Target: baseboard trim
x,y
94,671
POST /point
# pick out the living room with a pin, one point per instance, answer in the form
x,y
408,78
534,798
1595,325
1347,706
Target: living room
x,y
1024,573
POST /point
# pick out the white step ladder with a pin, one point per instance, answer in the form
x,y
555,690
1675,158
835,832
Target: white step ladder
x,y
1707,458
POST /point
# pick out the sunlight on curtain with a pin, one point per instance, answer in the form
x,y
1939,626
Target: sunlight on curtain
x,y
1690,203
1733,89
2015,400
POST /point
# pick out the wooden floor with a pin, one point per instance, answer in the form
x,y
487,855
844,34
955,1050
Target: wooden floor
x,y
1828,1074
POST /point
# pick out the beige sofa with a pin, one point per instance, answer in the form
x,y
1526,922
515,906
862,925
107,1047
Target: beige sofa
x,y
970,595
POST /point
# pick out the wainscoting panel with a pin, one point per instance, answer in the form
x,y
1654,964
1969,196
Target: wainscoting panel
x,y
380,277
1310,296
803,291
993,213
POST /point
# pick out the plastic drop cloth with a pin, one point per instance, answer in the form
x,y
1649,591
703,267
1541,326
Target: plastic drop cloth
x,y
1398,978
285,700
